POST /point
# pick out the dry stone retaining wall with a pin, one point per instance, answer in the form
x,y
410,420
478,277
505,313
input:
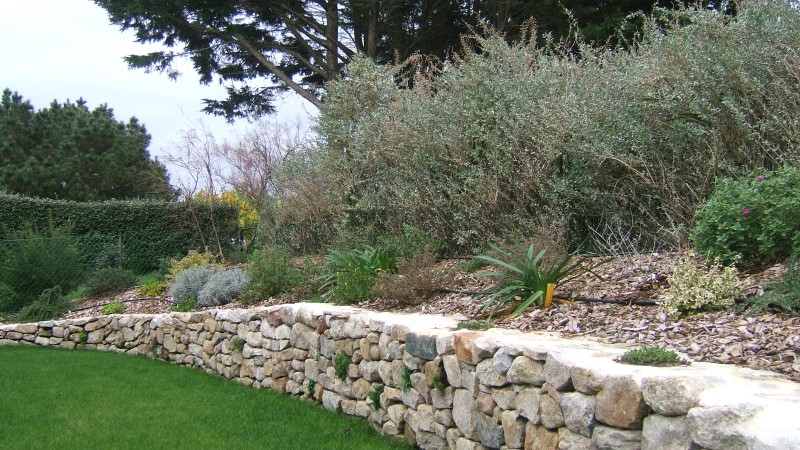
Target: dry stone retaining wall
x,y
463,390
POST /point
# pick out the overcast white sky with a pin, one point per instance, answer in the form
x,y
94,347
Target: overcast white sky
x,y
67,49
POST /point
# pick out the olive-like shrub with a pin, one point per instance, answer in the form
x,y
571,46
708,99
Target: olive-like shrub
x,y
222,287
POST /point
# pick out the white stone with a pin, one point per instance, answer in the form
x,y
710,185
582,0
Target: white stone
x,y
673,396
463,413
666,433
608,438
527,404
578,410
524,370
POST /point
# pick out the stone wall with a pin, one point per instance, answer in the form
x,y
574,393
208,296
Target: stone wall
x,y
460,390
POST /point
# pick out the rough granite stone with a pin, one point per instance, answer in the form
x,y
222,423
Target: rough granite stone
x,y
608,438
527,404
666,433
673,396
421,345
513,429
524,370
538,437
490,433
620,404
569,440
557,370
587,380
579,412
550,413
463,413
488,375
721,426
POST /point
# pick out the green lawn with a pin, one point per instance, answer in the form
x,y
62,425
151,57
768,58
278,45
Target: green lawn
x,y
61,399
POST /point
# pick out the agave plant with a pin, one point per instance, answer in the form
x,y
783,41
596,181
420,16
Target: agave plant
x,y
522,282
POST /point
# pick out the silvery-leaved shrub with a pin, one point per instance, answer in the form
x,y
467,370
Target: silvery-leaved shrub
x,y
222,287
190,282
694,288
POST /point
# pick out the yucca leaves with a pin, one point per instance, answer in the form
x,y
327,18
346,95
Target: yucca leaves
x,y
522,282
372,259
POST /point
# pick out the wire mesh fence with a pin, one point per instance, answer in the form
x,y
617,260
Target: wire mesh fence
x,y
30,264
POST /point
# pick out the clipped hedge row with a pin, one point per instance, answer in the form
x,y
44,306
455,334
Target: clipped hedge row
x,y
149,229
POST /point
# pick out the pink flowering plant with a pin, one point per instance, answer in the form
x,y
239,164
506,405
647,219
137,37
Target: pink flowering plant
x,y
755,218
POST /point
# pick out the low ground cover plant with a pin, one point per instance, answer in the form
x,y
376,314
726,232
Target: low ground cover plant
x,y
113,308
50,305
41,387
652,356
784,295
271,273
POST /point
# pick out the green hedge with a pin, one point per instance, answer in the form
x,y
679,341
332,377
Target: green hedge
x,y
149,230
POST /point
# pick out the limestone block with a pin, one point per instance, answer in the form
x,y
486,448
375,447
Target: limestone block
x,y
488,374
673,396
608,438
557,371
445,344
43,341
420,384
397,413
490,433
524,370
513,429
569,440
538,437
391,394
550,413
527,404
349,407
620,404
363,409
579,412
666,433
469,379
391,429
463,416
96,336
412,362
421,419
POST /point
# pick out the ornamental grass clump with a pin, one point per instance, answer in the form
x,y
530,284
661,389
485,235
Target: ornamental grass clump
x,y
522,282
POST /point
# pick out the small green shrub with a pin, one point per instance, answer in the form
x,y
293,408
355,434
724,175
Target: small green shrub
x,y
341,362
405,379
352,286
471,265
523,281
222,287
440,381
50,305
36,260
784,295
271,273
192,259
81,291
652,356
694,288
110,281
83,338
113,308
374,396
153,288
189,282
237,344
754,218
185,305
